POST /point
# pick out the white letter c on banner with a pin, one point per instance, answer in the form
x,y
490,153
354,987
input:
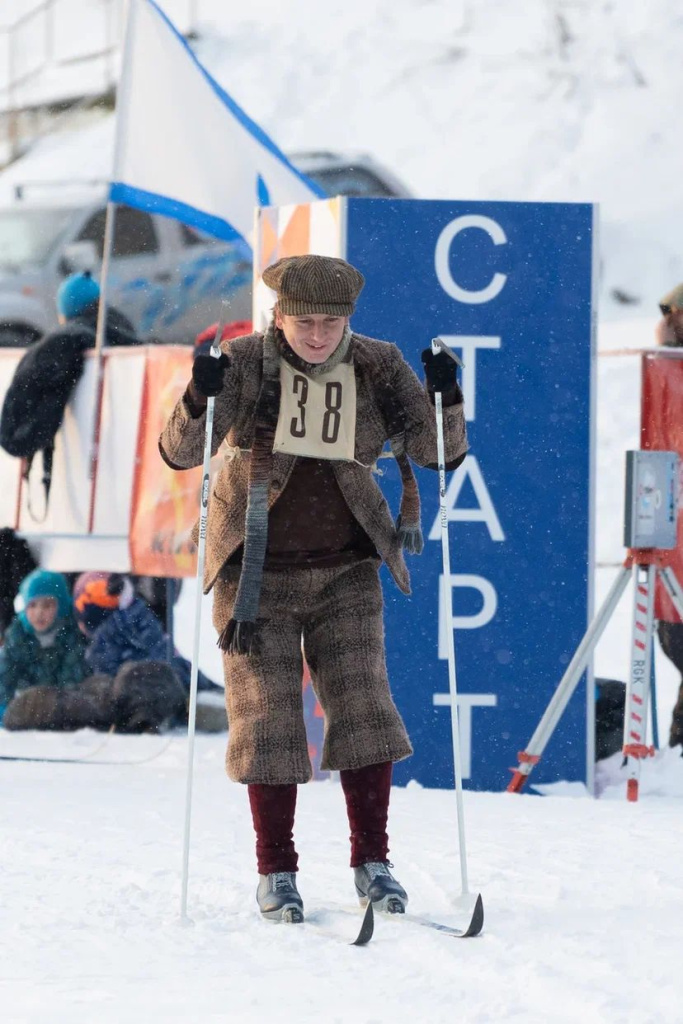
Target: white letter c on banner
x,y
442,252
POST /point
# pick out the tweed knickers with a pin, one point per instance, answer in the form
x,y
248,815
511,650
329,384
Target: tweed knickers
x,y
338,614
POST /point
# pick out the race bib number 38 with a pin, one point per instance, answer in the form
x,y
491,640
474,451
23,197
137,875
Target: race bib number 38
x,y
317,414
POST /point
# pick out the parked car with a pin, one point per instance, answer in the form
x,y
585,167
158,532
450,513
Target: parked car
x,y
345,174
167,277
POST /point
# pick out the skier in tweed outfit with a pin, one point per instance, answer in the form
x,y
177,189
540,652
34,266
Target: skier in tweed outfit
x,y
297,530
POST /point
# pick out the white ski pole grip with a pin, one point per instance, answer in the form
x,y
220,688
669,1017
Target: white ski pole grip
x,y
439,345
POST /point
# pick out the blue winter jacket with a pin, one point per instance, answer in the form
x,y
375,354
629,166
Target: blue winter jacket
x,y
135,634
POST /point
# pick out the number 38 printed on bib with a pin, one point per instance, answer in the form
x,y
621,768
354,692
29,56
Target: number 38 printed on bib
x,y
317,414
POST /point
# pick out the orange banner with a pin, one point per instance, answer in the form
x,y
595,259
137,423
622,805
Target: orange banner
x,y
165,502
662,430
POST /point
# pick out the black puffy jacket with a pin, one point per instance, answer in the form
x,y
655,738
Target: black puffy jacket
x,y
49,370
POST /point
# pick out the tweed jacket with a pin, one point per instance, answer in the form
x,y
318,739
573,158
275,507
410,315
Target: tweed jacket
x,y
182,446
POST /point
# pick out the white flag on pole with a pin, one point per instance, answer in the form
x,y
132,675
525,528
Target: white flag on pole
x,y
183,147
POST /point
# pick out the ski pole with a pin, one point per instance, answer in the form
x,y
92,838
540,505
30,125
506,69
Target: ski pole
x,y
439,346
201,554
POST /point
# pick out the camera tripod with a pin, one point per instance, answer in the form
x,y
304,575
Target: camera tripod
x,y
644,566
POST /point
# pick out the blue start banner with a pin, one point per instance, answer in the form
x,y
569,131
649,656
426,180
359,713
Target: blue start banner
x,y
509,287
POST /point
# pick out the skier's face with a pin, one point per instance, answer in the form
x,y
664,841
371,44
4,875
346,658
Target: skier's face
x,y
41,613
313,337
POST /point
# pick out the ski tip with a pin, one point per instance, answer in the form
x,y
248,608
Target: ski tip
x,y
367,928
293,915
477,920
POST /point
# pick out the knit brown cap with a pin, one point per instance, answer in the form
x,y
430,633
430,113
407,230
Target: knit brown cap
x,y
314,284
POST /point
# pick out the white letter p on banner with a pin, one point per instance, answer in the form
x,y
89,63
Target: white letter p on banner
x,y
447,620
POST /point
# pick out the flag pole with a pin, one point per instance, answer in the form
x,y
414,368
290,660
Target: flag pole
x,y
107,249
99,360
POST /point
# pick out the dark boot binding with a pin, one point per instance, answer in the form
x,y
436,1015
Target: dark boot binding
x,y
278,897
375,883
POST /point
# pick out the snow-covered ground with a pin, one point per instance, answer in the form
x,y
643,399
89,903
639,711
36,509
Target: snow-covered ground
x,y
583,903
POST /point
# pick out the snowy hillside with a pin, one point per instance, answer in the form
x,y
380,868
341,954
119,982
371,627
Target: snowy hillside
x,y
534,100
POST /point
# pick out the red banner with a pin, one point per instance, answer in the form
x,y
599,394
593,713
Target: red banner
x,y
662,430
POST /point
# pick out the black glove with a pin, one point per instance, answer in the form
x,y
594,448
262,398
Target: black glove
x,y
440,370
208,373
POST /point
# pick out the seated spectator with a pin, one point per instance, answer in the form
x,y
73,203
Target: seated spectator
x,y
42,663
118,626
122,630
153,590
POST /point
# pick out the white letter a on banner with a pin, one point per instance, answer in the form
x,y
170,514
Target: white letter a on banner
x,y
484,512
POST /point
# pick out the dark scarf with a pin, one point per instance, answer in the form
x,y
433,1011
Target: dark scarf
x,y
238,636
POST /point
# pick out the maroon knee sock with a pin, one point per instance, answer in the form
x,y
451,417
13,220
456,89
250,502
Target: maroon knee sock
x,y
272,811
367,802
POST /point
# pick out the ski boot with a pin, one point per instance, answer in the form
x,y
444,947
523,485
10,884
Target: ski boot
x,y
278,897
375,882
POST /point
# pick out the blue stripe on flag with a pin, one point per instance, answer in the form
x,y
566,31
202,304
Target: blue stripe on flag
x,y
262,192
119,192
237,112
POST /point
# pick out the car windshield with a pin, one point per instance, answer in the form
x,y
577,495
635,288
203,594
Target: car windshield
x,y
351,181
27,236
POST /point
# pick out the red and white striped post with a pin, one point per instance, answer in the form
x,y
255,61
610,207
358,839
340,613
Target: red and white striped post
x,y
638,691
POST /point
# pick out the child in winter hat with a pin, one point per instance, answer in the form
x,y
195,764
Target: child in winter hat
x,y
127,643
96,595
122,629
42,645
119,626
43,600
